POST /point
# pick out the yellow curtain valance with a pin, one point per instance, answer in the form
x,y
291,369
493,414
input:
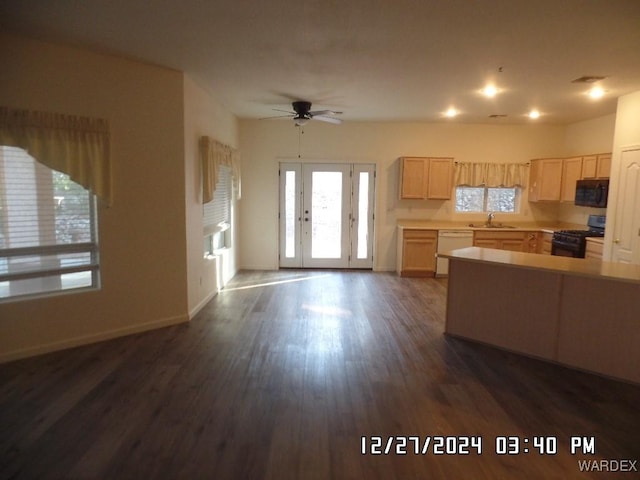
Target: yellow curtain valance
x,y
491,174
77,146
213,154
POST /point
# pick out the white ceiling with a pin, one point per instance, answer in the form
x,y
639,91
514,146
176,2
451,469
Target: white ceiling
x,y
375,60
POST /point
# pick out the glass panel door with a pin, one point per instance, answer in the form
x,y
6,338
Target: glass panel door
x,y
326,215
325,223
362,216
290,214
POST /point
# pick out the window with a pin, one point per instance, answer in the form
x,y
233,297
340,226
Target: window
x,y
217,214
48,239
487,199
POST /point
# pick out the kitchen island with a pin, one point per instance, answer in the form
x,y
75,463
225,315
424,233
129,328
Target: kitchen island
x,y
580,313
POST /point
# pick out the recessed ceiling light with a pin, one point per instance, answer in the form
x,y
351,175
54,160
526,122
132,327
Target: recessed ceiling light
x,y
490,91
451,112
596,92
534,114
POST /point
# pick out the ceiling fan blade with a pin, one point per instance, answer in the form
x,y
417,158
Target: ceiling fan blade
x,y
278,116
284,111
324,112
324,118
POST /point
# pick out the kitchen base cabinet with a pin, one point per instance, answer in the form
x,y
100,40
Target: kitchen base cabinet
x,y
545,245
559,309
594,248
417,252
518,241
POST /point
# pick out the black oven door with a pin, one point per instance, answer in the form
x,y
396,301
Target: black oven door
x,y
566,249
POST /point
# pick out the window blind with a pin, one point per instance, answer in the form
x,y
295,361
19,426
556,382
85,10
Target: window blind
x,y
47,228
217,212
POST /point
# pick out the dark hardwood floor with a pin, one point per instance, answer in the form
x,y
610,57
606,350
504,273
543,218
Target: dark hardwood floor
x,y
283,373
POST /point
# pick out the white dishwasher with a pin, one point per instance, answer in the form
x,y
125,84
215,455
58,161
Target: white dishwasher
x,y
450,240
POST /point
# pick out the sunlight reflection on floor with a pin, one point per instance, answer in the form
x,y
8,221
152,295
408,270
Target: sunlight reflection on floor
x,y
278,282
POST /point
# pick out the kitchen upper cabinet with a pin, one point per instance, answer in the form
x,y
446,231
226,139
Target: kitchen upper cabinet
x,y
571,173
418,253
424,178
596,166
413,178
545,180
517,241
440,178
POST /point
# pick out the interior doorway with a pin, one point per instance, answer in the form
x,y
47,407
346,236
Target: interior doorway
x,y
326,215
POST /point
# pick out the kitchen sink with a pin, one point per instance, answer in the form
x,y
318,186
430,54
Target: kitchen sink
x,y
490,225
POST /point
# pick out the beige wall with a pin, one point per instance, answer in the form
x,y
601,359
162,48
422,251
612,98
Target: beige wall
x,y
265,143
203,116
583,138
151,230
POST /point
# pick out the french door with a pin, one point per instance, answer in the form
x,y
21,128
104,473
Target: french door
x,y
326,215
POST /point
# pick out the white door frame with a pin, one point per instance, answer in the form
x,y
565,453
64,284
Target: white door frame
x,y
294,225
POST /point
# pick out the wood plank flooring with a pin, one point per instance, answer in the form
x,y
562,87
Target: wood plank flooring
x,y
280,377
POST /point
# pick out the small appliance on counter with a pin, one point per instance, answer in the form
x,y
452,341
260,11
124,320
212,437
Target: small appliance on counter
x,y
573,243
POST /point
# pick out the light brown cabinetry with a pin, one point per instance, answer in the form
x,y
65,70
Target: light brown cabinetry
x,y
571,173
423,178
594,248
518,241
418,253
545,244
545,180
596,166
554,179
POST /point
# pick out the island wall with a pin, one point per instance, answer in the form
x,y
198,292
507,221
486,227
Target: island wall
x,y
580,313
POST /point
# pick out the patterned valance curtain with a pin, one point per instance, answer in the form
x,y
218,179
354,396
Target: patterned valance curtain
x,y
77,146
213,154
491,174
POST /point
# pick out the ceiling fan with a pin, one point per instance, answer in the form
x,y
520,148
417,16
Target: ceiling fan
x,y
302,114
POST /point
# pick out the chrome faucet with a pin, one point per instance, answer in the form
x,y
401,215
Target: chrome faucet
x,y
490,217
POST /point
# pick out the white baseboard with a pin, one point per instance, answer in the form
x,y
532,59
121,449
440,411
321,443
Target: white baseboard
x,y
92,338
195,310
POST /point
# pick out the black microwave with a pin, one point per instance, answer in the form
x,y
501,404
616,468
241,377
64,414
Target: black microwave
x,y
592,193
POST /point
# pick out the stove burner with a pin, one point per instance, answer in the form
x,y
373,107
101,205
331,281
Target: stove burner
x,y
572,243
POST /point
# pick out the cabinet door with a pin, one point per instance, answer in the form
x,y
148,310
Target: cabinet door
x,y
589,166
531,242
486,243
594,250
413,178
439,181
545,180
603,167
512,245
571,173
550,179
419,252
547,238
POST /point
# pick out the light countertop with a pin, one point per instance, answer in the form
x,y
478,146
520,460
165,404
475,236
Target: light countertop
x,y
555,264
599,240
517,226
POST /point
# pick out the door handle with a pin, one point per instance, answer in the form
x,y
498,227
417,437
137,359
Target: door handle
x,y
617,240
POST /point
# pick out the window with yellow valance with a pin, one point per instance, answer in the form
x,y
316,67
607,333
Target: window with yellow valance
x,y
213,155
77,146
491,174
